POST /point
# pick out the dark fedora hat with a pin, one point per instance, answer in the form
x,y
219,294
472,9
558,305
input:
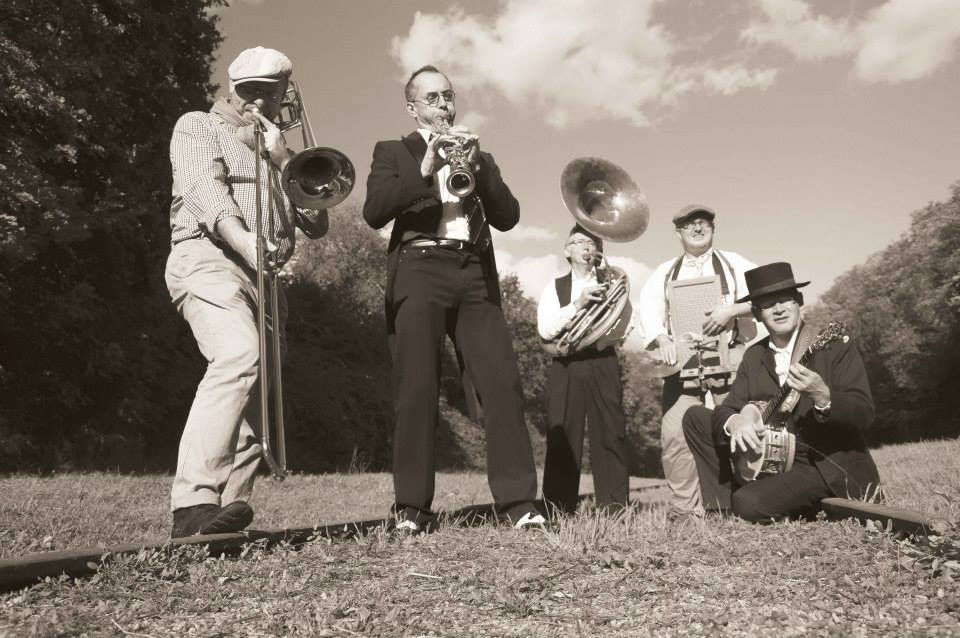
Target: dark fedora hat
x,y
768,279
694,210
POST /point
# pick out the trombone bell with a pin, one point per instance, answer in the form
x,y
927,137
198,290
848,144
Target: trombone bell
x,y
317,177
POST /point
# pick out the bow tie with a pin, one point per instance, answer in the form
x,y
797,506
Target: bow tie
x,y
695,262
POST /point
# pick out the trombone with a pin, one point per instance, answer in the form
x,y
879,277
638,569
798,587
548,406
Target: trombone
x,y
315,179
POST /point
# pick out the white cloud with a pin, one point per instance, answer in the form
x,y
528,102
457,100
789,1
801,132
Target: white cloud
x,y
569,59
523,232
733,79
908,40
898,41
791,24
532,272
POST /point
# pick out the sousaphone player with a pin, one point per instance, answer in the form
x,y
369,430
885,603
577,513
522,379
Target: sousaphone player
x,y
581,317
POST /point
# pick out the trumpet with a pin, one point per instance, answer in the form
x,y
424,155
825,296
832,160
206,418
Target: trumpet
x,y
461,180
314,179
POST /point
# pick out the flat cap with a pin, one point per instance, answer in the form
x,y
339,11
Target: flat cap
x,y
259,64
687,212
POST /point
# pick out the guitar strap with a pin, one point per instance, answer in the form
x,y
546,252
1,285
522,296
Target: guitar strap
x,y
805,338
806,335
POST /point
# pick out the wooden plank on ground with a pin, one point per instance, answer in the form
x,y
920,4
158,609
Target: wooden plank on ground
x,y
28,570
898,519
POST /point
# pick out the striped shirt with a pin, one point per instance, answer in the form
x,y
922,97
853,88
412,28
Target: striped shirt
x,y
214,178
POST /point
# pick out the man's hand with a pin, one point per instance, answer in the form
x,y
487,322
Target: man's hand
x,y
470,143
745,433
432,162
244,243
668,349
273,142
717,319
589,295
808,383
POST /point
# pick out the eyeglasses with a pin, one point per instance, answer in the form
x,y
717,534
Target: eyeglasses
x,y
582,242
767,304
433,98
267,90
697,223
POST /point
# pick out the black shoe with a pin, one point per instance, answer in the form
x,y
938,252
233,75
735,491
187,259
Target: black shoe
x,y
524,516
188,521
232,518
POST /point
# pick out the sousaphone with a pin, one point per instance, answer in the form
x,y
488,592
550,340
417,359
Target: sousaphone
x,y
606,202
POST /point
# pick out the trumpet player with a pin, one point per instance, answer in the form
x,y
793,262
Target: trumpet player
x,y
442,194
210,274
582,388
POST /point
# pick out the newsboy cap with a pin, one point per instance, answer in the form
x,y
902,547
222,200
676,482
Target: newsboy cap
x,y
259,64
687,212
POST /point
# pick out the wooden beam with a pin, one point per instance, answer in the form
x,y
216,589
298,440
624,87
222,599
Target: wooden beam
x,y
900,520
28,570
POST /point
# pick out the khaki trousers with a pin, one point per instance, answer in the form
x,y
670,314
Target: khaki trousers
x,y
679,466
219,449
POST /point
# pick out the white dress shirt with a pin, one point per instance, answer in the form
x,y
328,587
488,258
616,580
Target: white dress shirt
x,y
551,316
653,305
782,357
453,224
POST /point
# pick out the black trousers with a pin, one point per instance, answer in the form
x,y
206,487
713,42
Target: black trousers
x,y
439,291
581,392
796,493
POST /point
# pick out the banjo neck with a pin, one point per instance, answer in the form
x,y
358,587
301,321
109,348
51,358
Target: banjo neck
x,y
786,398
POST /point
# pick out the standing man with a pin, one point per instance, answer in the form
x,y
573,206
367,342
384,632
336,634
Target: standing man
x,y
211,276
583,386
834,409
442,279
695,227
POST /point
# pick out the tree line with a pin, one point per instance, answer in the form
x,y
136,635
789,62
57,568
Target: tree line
x,y
98,371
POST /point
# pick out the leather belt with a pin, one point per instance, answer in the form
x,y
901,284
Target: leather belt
x,y
456,244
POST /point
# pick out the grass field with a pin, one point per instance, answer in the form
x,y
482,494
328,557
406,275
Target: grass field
x,y
634,574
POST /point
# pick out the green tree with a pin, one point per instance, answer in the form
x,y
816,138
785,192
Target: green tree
x,y
90,359
903,304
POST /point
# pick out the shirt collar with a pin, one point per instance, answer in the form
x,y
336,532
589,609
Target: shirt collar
x,y
788,349
591,274
698,260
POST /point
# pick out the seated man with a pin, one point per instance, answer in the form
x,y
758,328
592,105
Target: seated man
x,y
835,405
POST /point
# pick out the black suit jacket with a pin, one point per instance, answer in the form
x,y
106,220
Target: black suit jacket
x,y
396,191
837,446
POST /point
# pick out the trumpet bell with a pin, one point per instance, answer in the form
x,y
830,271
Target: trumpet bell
x,y
603,199
461,183
318,178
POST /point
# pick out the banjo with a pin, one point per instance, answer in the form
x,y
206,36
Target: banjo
x,y
778,446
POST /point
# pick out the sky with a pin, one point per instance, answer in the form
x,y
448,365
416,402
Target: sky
x,y
812,127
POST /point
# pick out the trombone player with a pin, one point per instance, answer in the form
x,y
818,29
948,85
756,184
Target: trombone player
x,y
211,274
582,386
